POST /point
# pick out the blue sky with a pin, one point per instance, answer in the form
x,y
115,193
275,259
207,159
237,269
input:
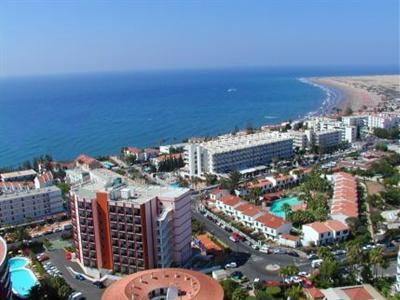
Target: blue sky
x,y
44,37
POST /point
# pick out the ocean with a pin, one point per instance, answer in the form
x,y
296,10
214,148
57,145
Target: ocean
x,y
97,114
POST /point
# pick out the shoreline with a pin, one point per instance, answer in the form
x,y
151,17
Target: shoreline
x,y
359,93
333,97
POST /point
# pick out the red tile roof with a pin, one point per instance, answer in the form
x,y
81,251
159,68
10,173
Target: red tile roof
x,y
345,198
230,200
289,237
314,293
357,293
133,150
336,225
45,177
319,227
168,156
208,244
271,221
249,209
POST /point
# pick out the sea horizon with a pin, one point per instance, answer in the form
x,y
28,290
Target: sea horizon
x,y
98,113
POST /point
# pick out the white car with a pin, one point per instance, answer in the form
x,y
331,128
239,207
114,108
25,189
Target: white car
x,y
303,274
295,279
231,265
264,249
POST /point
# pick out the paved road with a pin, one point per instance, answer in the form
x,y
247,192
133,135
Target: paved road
x,y
90,291
252,262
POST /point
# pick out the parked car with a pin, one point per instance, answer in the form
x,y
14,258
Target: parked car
x,y
76,296
79,277
293,253
231,265
278,251
265,249
339,252
98,284
316,263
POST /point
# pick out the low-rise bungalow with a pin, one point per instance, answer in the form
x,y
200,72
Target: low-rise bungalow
x,y
135,152
156,161
87,163
43,180
253,216
345,199
323,233
272,226
289,240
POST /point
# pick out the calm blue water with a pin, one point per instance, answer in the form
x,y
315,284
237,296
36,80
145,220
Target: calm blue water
x,y
276,207
22,279
17,262
100,113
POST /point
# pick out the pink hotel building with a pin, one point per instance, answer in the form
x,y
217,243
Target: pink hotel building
x,y
124,227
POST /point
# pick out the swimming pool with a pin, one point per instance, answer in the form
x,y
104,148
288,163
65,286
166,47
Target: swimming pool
x,y
276,207
22,279
18,262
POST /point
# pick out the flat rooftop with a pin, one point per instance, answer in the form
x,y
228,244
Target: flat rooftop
x,y
21,173
103,180
16,194
237,142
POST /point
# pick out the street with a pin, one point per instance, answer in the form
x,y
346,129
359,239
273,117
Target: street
x,y
251,262
90,291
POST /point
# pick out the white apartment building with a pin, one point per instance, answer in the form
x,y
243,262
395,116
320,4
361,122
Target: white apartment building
x,y
237,152
350,134
323,233
357,120
300,140
32,204
383,120
326,140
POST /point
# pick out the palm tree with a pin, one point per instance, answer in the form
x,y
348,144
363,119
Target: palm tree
x,y
375,257
287,209
294,292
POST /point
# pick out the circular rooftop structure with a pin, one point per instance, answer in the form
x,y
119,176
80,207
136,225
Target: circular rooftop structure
x,y
169,283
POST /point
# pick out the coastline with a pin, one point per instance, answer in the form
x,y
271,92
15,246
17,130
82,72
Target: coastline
x,y
359,93
333,97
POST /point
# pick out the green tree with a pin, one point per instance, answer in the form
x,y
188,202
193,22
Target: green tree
x,y
240,294
229,286
294,292
375,258
234,179
287,209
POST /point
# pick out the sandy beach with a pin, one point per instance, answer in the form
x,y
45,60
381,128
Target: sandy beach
x,y
361,93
